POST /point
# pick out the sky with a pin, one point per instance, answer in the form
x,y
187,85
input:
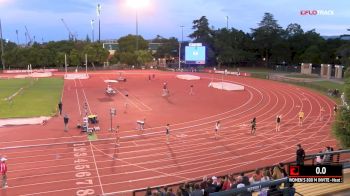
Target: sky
x,y
161,17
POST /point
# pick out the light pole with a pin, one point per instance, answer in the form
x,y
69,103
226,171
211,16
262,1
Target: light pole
x,y
112,112
227,22
182,37
137,31
17,37
2,48
99,21
92,30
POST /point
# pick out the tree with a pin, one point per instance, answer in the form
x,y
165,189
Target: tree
x,y
312,55
230,46
267,36
96,53
294,29
168,49
203,34
74,58
143,57
128,43
341,127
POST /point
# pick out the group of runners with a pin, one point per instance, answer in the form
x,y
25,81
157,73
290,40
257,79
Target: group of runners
x,y
253,123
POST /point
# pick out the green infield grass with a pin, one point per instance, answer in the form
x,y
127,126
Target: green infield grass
x,y
29,97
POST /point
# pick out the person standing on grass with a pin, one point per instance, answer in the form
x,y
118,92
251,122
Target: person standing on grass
x,y
301,117
3,171
217,127
322,111
300,155
335,109
253,123
65,120
278,123
60,107
167,132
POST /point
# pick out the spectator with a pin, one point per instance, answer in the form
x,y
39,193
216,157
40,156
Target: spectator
x,y
300,155
3,171
203,184
282,169
148,192
276,173
319,159
183,190
327,157
163,193
240,182
233,183
245,179
170,192
265,176
179,192
211,188
197,191
226,184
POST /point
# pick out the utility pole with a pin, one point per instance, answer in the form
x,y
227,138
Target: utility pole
x,y
2,48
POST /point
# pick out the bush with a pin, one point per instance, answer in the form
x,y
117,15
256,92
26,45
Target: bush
x,y
341,127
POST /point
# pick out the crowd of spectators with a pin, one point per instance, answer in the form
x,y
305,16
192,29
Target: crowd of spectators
x,y
325,159
229,182
334,92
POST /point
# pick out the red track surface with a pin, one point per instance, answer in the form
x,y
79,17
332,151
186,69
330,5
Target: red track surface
x,y
69,165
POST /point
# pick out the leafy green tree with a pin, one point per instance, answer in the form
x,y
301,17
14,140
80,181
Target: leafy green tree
x,y
96,53
143,57
74,58
312,55
204,34
168,49
267,36
129,58
341,127
128,43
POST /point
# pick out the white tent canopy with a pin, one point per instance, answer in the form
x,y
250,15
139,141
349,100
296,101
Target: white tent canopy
x,y
111,81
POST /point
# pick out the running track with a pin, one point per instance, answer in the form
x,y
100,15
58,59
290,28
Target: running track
x,y
44,160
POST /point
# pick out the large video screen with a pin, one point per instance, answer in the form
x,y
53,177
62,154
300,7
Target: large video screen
x,y
195,55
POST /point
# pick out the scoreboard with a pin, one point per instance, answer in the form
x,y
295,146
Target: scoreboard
x,y
195,54
316,173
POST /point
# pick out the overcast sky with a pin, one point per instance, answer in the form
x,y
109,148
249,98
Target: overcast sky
x,y
161,17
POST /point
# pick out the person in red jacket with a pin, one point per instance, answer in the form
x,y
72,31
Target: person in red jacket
x,y
3,171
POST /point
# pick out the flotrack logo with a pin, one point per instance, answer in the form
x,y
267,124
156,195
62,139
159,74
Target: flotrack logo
x,y
317,12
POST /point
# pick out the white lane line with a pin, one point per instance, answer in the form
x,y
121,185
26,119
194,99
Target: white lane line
x,y
76,92
98,174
